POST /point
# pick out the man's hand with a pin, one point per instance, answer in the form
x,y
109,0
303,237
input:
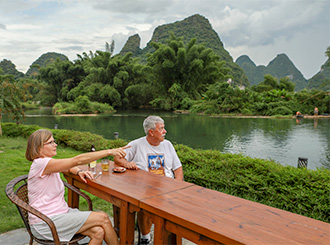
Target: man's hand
x,y
178,173
131,165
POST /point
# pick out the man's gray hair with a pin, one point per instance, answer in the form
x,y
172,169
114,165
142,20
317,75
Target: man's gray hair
x,y
150,123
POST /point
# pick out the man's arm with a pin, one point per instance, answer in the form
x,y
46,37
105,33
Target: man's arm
x,y
121,161
178,173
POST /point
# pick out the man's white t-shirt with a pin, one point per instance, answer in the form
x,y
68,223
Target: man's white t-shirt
x,y
161,159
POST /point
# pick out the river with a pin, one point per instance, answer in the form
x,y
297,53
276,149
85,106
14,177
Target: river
x,y
281,140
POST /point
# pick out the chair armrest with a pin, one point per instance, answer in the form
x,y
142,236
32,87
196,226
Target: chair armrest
x,y
79,192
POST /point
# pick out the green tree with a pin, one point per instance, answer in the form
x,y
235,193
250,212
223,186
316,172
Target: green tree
x,y
267,84
138,95
82,103
327,52
61,76
10,98
190,69
286,84
221,97
110,47
308,99
108,77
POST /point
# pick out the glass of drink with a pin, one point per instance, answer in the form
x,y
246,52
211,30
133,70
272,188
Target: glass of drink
x,y
105,164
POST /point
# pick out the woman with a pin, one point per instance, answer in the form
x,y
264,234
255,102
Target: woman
x,y
46,192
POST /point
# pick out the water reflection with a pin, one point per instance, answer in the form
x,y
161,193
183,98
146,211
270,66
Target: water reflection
x,y
284,143
282,140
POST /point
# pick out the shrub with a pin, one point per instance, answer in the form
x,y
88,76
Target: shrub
x,y
297,190
82,105
282,110
16,130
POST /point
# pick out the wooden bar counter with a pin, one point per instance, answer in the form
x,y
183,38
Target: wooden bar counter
x,y
124,191
206,216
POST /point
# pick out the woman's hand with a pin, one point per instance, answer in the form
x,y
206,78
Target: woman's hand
x,y
120,152
86,175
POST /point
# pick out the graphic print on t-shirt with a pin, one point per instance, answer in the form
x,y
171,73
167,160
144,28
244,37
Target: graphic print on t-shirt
x,y
156,163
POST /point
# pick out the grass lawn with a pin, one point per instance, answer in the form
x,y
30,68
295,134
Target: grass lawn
x,y
12,164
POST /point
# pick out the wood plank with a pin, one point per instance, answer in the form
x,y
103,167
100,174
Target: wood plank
x,y
223,217
190,235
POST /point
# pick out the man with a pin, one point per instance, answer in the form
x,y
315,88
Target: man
x,y
154,154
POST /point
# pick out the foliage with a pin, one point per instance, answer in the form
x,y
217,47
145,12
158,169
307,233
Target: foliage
x,y
180,74
10,98
300,191
220,98
181,71
81,105
321,80
327,52
270,97
18,130
195,27
10,69
138,95
30,105
77,140
308,99
42,61
61,76
108,77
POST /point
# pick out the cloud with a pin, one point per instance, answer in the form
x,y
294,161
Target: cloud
x,y
73,48
132,7
262,25
262,29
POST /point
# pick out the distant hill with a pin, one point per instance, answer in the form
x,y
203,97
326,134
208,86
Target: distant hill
x,y
9,68
42,61
254,73
279,67
321,80
132,45
195,26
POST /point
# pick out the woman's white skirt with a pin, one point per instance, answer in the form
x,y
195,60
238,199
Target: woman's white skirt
x,y
66,224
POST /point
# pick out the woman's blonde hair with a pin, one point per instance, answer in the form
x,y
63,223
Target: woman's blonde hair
x,y
35,142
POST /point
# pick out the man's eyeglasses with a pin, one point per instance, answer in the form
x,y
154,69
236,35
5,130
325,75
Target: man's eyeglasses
x,y
53,142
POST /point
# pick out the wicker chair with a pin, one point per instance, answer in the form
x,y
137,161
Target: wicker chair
x,y
20,199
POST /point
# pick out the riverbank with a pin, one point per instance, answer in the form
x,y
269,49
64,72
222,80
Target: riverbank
x,y
277,117
64,115
188,112
249,116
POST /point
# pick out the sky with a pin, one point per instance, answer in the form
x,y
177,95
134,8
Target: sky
x,y
261,29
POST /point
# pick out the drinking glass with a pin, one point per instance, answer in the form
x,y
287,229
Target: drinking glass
x,y
105,164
